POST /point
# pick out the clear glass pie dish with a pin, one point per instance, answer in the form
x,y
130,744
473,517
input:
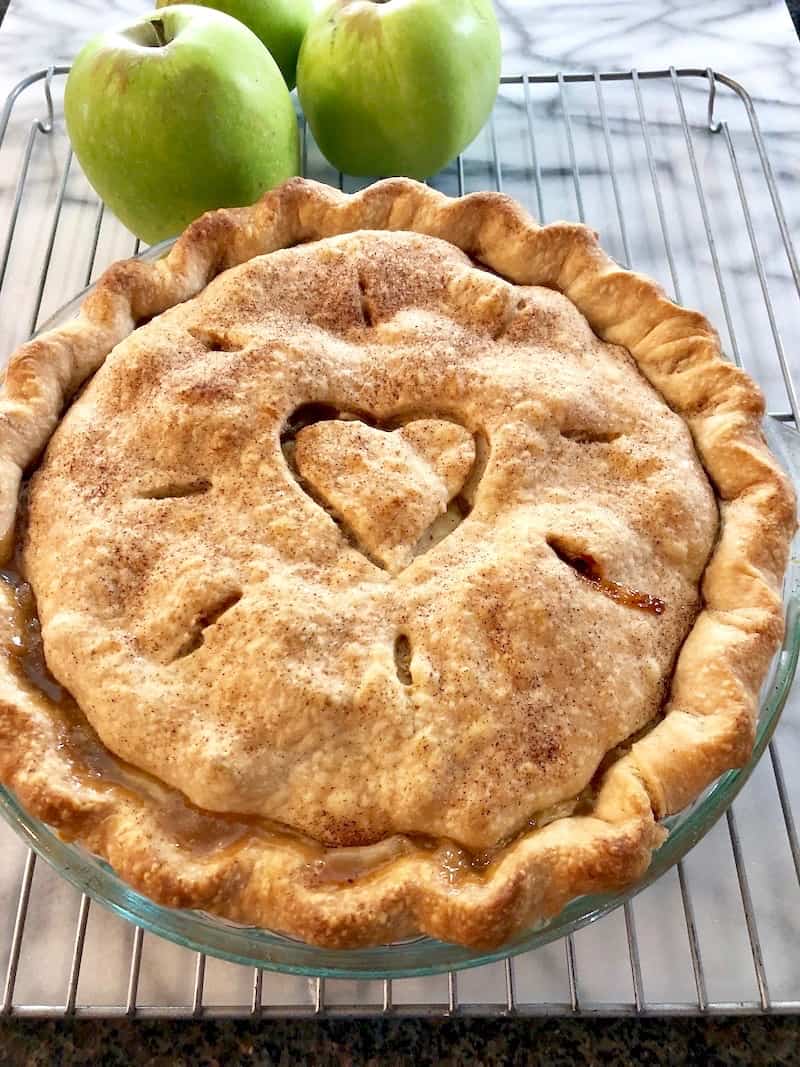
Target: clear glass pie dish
x,y
262,948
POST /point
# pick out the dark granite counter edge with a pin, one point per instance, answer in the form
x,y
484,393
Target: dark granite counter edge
x,y
401,1042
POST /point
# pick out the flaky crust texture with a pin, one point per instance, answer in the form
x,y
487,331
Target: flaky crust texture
x,y
709,717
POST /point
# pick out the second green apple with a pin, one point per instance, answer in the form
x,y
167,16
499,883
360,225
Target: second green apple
x,y
398,86
278,24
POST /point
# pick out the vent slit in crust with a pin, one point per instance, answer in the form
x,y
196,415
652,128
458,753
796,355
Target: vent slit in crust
x,y
590,437
465,499
176,490
507,318
402,659
204,621
367,312
588,568
214,340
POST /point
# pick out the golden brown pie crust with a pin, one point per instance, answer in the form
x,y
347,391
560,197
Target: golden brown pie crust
x,y
250,873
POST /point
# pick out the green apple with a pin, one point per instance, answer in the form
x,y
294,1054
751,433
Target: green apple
x,y
278,24
182,111
398,86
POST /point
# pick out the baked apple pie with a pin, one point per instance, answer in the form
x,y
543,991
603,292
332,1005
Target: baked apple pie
x,y
381,564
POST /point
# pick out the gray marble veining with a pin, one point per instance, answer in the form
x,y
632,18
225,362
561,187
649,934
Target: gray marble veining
x,y
753,42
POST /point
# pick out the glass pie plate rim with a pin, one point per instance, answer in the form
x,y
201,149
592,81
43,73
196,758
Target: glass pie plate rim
x,y
419,956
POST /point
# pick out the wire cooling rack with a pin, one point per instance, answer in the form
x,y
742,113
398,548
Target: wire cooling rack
x,y
672,169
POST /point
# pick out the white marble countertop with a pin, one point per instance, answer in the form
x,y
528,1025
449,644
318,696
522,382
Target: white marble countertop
x,y
750,40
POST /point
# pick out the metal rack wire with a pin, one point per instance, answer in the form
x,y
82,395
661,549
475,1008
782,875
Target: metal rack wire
x,y
692,200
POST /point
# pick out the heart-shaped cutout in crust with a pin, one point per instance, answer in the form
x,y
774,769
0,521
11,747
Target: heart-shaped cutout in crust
x,y
394,492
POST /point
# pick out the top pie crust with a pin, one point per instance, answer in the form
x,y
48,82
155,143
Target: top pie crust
x,y
359,540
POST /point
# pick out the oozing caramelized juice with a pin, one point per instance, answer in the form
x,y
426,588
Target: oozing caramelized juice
x,y
586,567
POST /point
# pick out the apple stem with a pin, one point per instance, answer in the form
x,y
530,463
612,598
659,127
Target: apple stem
x,y
160,32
